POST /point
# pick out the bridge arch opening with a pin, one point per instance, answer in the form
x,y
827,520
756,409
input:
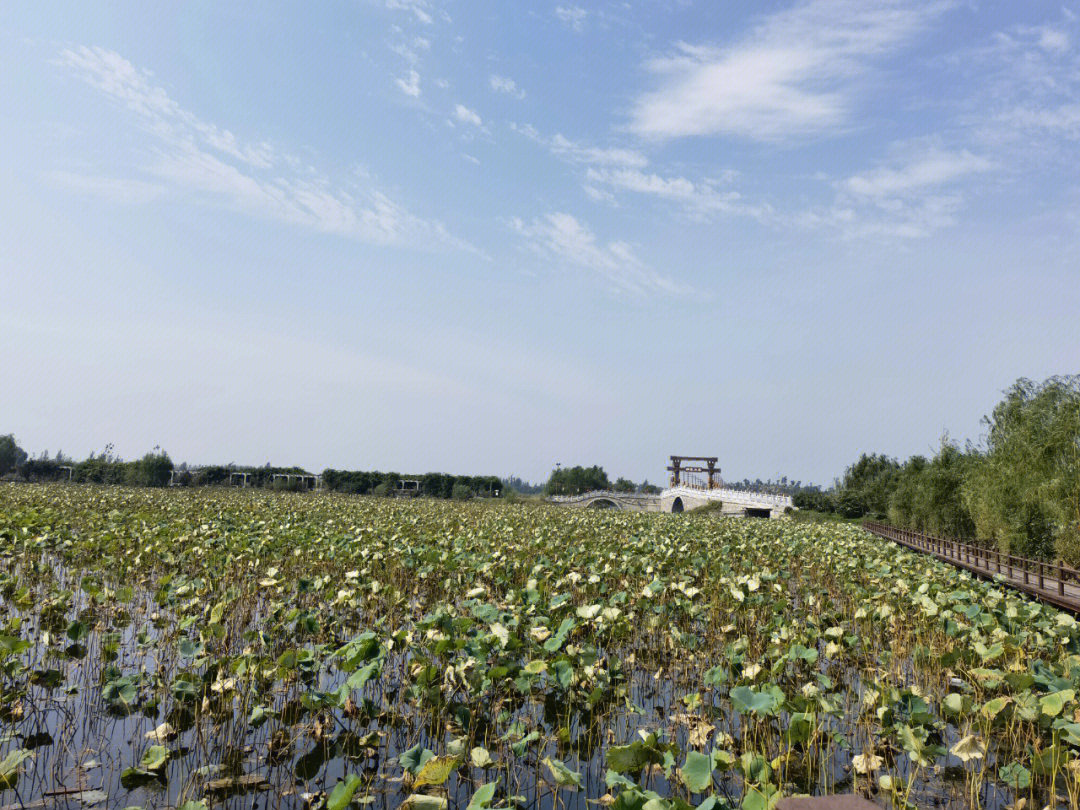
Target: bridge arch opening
x,y
753,512
603,503
677,506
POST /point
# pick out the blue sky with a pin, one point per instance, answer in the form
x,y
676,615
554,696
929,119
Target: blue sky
x,y
487,237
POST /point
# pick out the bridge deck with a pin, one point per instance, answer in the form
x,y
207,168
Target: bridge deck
x,y
1054,583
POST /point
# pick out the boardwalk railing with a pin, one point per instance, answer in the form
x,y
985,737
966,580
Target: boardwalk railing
x,y
1052,582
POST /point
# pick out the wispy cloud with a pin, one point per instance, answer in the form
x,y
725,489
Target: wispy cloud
x,y
410,85
467,116
563,238
1031,94
932,169
563,147
420,9
920,191
700,200
794,75
504,84
210,165
572,16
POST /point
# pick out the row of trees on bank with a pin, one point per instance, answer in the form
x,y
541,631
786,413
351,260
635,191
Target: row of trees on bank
x,y
156,469
152,470
1019,489
435,485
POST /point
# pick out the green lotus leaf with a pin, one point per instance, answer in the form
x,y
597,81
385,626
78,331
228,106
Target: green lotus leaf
x,y
697,772
155,757
343,792
415,758
482,797
562,775
748,701
1015,776
11,765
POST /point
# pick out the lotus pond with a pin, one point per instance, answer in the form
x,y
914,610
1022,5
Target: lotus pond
x,y
248,649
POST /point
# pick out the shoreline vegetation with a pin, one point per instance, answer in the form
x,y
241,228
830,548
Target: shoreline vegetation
x,y
1017,490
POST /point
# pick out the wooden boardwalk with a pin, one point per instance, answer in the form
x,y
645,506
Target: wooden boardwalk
x,y
1052,582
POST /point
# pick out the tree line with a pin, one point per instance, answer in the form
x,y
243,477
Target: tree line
x,y
576,480
1019,489
156,469
435,485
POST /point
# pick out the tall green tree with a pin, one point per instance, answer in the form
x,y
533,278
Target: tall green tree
x,y
11,455
1024,492
866,487
575,480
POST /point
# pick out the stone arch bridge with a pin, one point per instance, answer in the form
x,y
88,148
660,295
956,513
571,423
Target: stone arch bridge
x,y
688,491
683,498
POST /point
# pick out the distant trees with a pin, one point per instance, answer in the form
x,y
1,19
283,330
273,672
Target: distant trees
x,y
650,489
624,485
929,495
152,470
433,485
815,499
575,480
517,484
866,487
11,455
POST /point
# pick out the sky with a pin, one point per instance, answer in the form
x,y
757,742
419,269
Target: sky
x,y
490,237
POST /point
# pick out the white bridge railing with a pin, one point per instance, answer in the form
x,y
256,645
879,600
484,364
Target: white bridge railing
x,y
597,493
736,496
739,496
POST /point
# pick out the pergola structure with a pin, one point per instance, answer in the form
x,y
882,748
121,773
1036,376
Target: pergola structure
x,y
240,479
679,468
307,481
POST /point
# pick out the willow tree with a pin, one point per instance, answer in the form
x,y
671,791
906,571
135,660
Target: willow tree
x,y
1024,492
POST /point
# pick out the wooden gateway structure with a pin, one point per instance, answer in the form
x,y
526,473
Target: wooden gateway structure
x,y
683,474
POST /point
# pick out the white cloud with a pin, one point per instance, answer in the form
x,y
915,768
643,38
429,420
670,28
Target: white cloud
x,y
406,53
569,150
598,194
1031,96
572,16
793,75
917,193
212,166
700,200
410,86
890,220
934,168
504,84
467,116
418,8
1050,39
562,237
